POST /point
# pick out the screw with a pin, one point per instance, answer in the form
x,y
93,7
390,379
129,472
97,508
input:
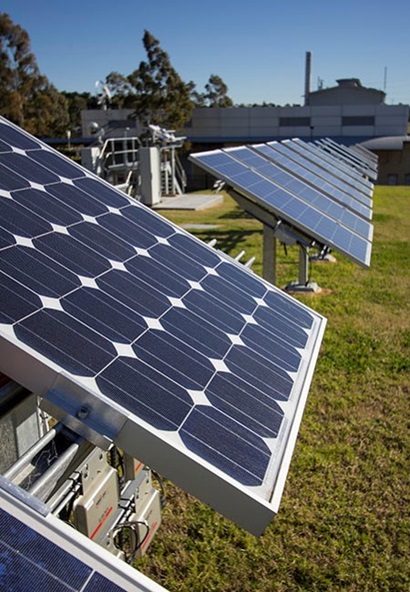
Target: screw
x,y
83,412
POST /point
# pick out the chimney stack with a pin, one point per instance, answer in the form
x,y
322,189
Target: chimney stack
x,y
308,73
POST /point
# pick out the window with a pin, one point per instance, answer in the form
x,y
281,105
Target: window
x,y
358,120
294,121
392,179
407,179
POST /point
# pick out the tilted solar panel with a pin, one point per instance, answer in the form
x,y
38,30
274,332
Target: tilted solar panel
x,y
136,332
346,159
334,154
304,192
286,206
330,163
351,156
321,171
40,553
366,155
323,183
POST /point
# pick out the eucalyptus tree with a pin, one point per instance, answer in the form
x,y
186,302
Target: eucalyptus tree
x,y
27,98
160,96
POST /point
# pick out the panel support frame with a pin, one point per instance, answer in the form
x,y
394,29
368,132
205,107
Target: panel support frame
x,y
274,228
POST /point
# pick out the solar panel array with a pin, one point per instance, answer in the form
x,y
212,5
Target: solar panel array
x,y
366,166
304,192
286,189
322,171
314,154
314,176
183,357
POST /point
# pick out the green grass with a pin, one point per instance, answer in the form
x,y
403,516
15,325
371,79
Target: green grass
x,y
344,518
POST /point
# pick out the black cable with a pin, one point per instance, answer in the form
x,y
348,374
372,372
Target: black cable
x,y
131,525
163,498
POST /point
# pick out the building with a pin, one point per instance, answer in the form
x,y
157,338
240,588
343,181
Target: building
x,y
394,159
345,122
349,113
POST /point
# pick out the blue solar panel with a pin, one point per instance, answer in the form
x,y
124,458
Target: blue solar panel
x,y
351,156
347,174
38,553
333,154
347,161
285,205
29,558
325,173
304,192
311,177
186,356
365,154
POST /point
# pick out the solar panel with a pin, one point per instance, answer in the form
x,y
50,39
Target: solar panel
x,y
313,179
305,193
338,157
347,159
136,332
366,154
352,156
325,173
40,552
285,205
331,164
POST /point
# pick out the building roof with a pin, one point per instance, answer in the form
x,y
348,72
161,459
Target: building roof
x,y
386,143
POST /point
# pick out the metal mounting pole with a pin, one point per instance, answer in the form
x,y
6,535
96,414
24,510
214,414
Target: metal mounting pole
x,y
269,254
303,266
303,285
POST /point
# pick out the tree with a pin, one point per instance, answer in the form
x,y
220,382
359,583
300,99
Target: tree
x,y
161,96
120,90
216,94
26,97
78,102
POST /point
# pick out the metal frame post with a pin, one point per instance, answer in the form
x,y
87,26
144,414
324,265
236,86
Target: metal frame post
x,y
269,254
303,266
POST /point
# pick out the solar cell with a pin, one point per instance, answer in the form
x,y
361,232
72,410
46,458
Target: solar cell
x,y
38,552
287,206
135,331
313,179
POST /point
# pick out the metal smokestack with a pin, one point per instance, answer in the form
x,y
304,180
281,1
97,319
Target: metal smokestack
x,y
308,74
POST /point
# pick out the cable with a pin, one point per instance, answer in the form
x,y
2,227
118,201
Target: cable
x,y
131,525
163,499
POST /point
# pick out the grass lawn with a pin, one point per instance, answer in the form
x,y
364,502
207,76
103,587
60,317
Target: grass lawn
x,y
344,518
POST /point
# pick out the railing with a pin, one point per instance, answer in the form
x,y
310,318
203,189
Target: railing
x,y
173,177
120,152
118,163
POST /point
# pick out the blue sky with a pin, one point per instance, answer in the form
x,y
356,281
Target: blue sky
x,y
258,47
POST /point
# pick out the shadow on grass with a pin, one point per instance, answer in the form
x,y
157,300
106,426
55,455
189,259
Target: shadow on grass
x,y
227,240
236,214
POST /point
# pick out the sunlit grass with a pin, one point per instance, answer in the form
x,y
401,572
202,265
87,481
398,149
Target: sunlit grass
x,y
344,519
